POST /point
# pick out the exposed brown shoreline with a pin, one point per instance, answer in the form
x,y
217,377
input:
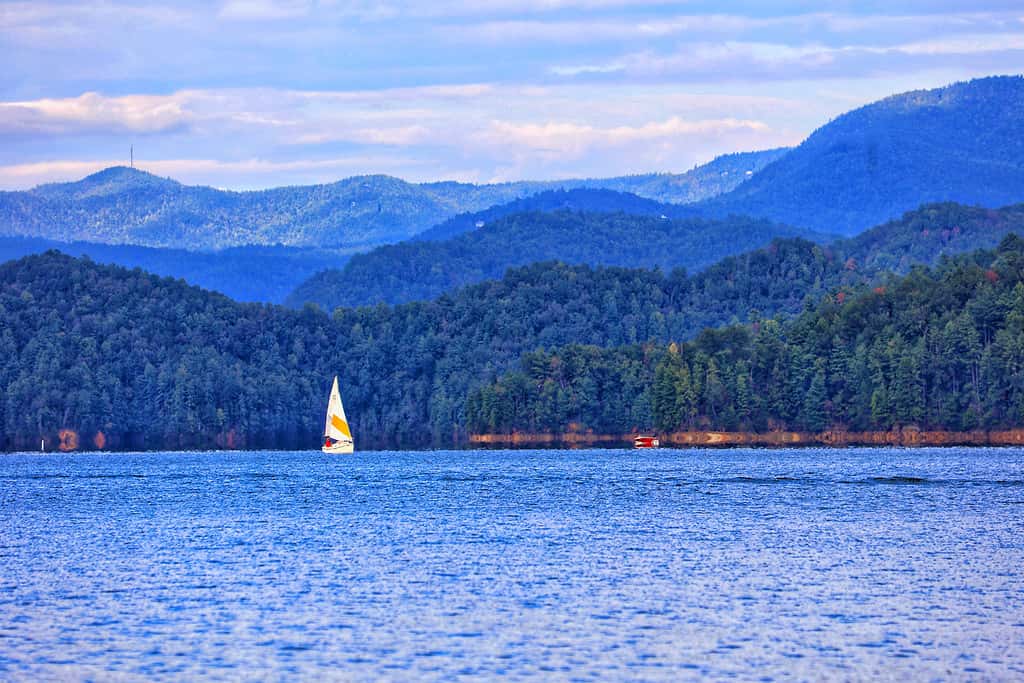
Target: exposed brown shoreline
x,y
906,436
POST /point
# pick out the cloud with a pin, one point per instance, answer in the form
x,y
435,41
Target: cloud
x,y
263,136
562,148
966,44
441,9
589,31
755,61
50,26
401,136
837,29
264,10
92,112
573,139
391,95
264,92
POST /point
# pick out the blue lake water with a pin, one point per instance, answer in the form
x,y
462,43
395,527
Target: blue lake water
x,y
559,565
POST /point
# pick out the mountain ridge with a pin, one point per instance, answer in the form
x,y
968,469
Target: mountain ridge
x,y
253,273
121,205
594,200
421,270
411,271
963,142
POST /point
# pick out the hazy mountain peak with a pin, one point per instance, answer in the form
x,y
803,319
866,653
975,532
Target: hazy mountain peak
x,y
956,93
121,205
110,181
963,143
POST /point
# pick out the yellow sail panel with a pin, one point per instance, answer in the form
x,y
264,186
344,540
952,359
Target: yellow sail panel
x,y
340,425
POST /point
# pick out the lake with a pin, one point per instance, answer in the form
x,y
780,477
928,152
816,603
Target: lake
x,y
556,565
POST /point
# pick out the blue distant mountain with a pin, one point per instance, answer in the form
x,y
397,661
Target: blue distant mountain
x,y
422,270
579,199
962,143
253,273
126,206
655,236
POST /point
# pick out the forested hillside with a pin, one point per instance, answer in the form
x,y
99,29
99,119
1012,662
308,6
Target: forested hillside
x,y
152,363
779,278
413,271
658,193
579,199
126,206
928,233
418,271
940,349
92,347
271,273
962,143
719,175
254,273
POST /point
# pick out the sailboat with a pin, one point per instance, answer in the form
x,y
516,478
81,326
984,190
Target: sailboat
x,y
337,435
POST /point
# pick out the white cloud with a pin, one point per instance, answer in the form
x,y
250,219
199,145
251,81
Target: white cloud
x,y
391,95
965,45
586,69
754,61
401,136
607,29
387,9
565,138
478,132
264,10
563,148
60,26
828,27
92,112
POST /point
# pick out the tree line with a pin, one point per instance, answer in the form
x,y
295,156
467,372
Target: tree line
x,y
150,362
938,348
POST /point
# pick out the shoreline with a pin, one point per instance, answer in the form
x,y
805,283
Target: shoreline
x,y
905,436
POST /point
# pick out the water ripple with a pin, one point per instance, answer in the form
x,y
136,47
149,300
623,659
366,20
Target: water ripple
x,y
580,565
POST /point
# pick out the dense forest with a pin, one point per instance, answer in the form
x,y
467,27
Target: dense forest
x,y
270,273
152,362
962,143
780,278
254,273
413,271
102,349
926,234
409,271
940,349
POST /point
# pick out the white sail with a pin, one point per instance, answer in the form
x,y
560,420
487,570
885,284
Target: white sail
x,y
336,428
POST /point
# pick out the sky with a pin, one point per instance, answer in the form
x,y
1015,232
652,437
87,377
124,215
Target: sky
x,y
246,94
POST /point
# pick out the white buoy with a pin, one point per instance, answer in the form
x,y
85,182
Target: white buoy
x,y
42,445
